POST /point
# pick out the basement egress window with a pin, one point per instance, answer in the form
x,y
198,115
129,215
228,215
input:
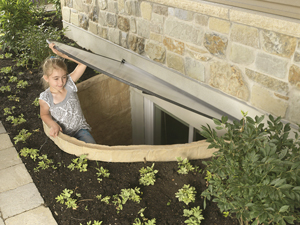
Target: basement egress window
x,y
136,116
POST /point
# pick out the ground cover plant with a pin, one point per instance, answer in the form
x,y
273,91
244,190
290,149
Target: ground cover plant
x,y
79,191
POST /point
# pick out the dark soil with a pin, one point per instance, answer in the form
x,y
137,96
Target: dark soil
x,y
159,199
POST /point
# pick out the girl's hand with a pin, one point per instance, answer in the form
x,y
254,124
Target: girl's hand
x,y
55,51
54,130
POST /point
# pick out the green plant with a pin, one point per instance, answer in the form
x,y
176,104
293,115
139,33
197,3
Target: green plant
x,y
16,120
194,214
13,98
96,222
79,163
186,194
102,173
8,111
44,163
14,16
36,102
6,70
12,79
22,136
255,174
137,221
32,48
66,198
184,166
57,7
31,152
106,199
5,88
147,175
22,84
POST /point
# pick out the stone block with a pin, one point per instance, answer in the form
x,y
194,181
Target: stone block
x,y
271,65
143,28
133,28
102,4
124,38
241,54
123,23
297,57
155,51
268,82
175,62
201,20
184,31
194,69
218,25
279,25
174,45
13,177
136,44
121,6
9,157
66,14
114,35
103,32
83,21
74,18
216,44
157,23
265,100
294,76
112,6
93,27
278,44
5,141
19,200
160,9
245,35
156,37
229,79
131,7
146,10
37,216
181,14
111,19
102,18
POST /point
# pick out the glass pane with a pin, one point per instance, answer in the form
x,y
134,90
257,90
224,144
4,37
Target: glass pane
x,y
197,135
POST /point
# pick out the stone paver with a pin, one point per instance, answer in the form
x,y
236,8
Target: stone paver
x,y
37,216
19,200
13,177
5,141
9,157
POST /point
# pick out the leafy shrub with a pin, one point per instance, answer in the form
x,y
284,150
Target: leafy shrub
x,y
255,175
186,194
147,175
194,216
14,16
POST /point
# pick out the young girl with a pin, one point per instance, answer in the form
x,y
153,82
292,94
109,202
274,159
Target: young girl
x,y
59,104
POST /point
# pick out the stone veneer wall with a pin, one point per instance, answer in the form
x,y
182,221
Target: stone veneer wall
x,y
252,56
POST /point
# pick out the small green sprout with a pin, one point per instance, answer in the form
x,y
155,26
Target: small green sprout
x,y
96,222
36,102
102,173
13,79
22,136
186,194
106,199
22,84
13,98
65,198
79,163
147,175
44,163
6,70
5,88
195,216
8,111
16,120
184,166
31,152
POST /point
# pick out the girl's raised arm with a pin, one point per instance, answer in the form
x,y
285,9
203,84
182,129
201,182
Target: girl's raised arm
x,y
80,68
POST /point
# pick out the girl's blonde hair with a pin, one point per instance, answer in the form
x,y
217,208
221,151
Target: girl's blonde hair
x,y
50,64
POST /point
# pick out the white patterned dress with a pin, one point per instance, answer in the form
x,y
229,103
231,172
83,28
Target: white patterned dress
x,y
68,113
